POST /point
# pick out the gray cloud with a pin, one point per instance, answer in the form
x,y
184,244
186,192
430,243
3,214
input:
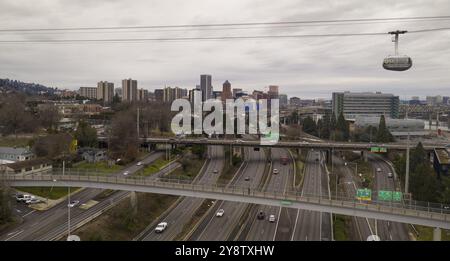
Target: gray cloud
x,y
307,67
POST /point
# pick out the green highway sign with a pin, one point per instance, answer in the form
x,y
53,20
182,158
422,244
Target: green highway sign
x,y
385,195
378,149
397,196
286,202
364,194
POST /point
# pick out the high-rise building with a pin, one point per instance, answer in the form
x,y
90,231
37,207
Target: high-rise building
x,y
294,101
143,95
235,91
88,92
105,91
118,91
226,91
273,92
171,94
129,90
365,104
205,86
159,95
283,100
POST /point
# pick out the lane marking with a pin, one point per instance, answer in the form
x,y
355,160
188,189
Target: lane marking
x,y
29,213
14,235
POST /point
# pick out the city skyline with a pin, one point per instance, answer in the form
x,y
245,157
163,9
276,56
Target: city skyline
x,y
290,63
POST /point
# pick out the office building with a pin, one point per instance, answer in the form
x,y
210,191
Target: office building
x,y
294,101
159,95
205,86
129,90
88,92
226,91
283,100
171,94
105,91
273,91
143,95
365,104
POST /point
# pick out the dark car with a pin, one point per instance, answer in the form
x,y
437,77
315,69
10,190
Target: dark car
x,y
260,215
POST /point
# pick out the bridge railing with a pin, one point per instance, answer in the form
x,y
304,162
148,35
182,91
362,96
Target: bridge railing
x,y
412,208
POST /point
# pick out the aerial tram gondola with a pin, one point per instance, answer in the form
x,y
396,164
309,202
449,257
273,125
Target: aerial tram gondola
x,y
397,62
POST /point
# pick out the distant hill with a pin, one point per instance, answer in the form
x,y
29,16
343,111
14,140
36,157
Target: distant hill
x,y
7,85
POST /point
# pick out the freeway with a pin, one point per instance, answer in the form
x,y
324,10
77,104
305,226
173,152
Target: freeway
x,y
362,227
184,211
387,230
313,225
41,223
220,228
263,230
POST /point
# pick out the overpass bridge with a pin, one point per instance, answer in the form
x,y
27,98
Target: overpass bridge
x,y
432,215
285,144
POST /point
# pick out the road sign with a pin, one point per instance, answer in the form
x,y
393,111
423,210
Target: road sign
x,y
286,202
364,194
378,149
374,149
385,195
397,196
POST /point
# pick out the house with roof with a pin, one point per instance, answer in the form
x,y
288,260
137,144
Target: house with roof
x,y
14,154
33,166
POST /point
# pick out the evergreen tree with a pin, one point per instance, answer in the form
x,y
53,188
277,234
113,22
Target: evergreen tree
x,y
319,128
86,135
325,130
342,127
383,134
309,126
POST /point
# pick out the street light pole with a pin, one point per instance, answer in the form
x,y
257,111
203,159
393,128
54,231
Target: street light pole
x,y
407,166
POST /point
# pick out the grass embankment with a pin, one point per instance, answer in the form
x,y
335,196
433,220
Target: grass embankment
x,y
340,228
12,141
50,193
300,160
207,203
119,223
153,168
190,171
426,234
228,171
101,167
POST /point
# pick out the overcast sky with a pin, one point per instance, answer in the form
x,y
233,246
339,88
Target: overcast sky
x,y
305,67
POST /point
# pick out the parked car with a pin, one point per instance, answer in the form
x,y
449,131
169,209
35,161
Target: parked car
x,y
390,175
126,173
275,171
161,227
272,218
24,197
139,163
19,197
73,203
260,215
247,178
220,213
32,201
215,171
378,170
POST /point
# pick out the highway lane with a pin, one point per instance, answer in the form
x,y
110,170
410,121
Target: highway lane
x,y
184,211
387,230
219,228
39,222
313,225
263,230
347,181
79,217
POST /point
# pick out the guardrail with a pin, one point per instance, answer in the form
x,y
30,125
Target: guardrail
x,y
432,211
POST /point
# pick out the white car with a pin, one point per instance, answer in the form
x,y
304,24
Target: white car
x,y
139,163
275,171
378,170
126,173
220,213
73,203
390,175
161,227
272,218
32,201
